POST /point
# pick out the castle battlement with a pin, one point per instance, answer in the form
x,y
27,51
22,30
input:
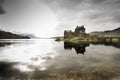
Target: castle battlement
x,y
79,31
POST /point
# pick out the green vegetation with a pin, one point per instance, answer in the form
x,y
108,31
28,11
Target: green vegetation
x,y
76,39
92,39
9,35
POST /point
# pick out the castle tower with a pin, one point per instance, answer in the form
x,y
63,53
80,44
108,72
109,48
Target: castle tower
x,y
67,33
80,29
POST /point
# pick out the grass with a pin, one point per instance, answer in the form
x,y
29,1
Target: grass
x,y
93,39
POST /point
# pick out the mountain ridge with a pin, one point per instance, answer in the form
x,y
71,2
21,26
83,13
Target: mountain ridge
x,y
107,32
10,35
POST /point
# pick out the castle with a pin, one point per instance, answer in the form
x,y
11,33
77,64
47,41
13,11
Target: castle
x,y
79,31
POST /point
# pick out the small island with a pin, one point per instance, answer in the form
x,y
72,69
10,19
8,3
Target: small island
x,y
79,35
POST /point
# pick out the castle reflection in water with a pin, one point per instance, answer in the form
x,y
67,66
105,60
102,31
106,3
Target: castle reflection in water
x,y
81,48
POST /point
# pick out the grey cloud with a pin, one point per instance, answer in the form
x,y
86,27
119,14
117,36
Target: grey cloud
x,y
97,1
116,18
64,3
110,16
78,11
74,7
69,4
2,11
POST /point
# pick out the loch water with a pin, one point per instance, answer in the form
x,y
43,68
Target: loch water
x,y
46,59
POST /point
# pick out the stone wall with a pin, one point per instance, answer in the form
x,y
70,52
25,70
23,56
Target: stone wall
x,y
79,31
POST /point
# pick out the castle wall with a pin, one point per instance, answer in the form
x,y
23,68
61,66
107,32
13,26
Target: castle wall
x,y
67,34
79,31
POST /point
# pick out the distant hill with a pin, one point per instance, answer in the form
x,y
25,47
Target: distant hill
x,y
29,35
9,35
115,32
57,37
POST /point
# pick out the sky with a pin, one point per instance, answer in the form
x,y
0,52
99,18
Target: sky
x,y
46,18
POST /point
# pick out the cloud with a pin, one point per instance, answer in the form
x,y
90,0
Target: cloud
x,y
96,15
92,13
96,1
2,11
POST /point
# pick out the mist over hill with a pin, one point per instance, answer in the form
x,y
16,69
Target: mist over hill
x,y
29,35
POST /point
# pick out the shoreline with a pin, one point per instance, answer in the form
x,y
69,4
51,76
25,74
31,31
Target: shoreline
x,y
78,40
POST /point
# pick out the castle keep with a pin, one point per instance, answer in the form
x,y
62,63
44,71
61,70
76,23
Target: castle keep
x,y
79,31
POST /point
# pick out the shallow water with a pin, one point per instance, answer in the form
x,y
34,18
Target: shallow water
x,y
45,58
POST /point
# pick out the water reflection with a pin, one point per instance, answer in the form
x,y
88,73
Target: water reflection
x,y
3,44
9,72
114,44
79,48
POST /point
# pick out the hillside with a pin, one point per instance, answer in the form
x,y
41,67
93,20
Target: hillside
x,y
9,35
29,35
115,32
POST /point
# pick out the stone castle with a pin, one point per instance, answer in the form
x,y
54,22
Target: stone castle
x,y
79,31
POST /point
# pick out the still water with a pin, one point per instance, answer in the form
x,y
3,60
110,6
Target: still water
x,y
45,59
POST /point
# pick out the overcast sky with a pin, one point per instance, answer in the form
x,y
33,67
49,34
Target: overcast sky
x,y
51,17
